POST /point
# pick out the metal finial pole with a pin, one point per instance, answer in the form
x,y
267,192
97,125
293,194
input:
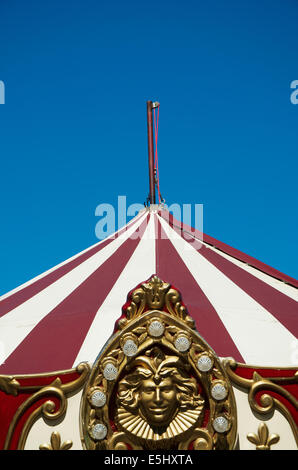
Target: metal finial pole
x,y
150,153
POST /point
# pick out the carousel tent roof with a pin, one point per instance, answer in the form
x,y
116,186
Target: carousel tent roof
x,y
243,308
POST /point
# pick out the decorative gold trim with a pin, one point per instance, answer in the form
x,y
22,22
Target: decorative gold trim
x,y
56,443
9,385
155,294
262,440
47,409
119,441
260,384
140,359
201,440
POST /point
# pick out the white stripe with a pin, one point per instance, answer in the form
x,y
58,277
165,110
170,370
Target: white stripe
x,y
17,324
279,285
139,268
260,338
40,276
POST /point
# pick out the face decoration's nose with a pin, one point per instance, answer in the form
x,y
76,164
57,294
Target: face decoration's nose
x,y
157,397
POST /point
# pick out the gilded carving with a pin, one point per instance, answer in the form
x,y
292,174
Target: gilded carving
x,y
260,400
56,443
9,385
48,409
157,401
157,384
262,440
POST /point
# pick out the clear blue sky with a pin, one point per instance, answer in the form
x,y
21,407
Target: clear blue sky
x,y
73,131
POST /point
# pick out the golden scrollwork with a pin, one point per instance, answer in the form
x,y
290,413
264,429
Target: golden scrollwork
x,y
259,399
262,440
157,384
56,443
49,410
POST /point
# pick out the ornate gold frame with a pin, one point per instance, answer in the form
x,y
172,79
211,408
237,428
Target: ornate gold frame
x,y
156,301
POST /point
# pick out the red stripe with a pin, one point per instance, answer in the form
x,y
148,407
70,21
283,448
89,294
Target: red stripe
x,y
229,250
282,307
14,300
55,342
171,268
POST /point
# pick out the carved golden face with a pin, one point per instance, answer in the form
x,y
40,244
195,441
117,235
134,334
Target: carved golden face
x,y
158,402
157,389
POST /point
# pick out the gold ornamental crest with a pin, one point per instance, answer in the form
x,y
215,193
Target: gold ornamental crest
x,y
157,384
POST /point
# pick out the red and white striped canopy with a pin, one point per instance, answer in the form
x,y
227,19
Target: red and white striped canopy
x,y
243,308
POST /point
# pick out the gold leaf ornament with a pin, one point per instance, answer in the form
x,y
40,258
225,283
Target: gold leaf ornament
x,y
262,440
56,443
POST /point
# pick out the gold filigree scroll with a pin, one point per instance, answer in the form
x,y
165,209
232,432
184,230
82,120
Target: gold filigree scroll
x,y
157,384
259,387
48,409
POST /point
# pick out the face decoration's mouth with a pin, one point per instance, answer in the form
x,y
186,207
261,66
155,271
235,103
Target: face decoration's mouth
x,y
158,410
